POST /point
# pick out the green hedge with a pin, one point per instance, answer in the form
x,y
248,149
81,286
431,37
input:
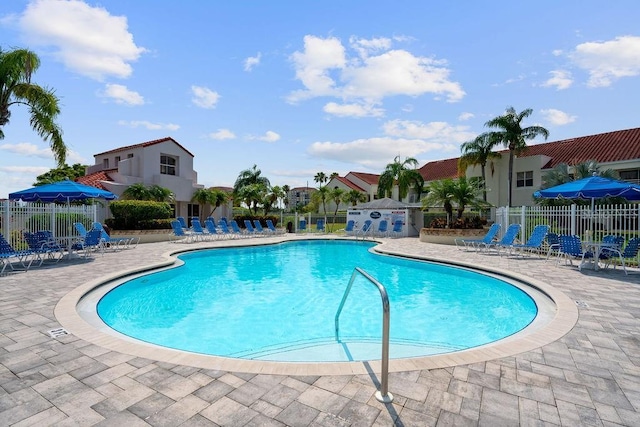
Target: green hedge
x,y
139,215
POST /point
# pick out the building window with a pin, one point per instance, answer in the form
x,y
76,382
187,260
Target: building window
x,y
524,179
130,156
168,164
105,164
193,210
631,175
117,161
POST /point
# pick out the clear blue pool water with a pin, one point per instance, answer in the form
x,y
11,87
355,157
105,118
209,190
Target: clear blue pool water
x,y
278,302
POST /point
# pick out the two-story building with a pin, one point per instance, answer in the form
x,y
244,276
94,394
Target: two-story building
x,y
162,162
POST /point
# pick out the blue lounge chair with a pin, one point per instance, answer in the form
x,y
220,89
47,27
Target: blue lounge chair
x,y
183,223
303,225
396,231
236,229
505,242
92,242
8,253
199,233
179,233
570,248
320,226
80,228
365,230
213,229
553,243
383,228
250,230
225,230
476,243
43,248
350,228
260,229
629,252
273,228
534,243
114,243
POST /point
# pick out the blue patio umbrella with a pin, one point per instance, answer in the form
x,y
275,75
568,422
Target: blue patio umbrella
x,y
593,187
62,192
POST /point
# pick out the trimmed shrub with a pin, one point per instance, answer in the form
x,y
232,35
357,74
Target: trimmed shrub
x,y
138,215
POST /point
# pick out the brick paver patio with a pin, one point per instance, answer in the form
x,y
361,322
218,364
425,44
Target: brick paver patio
x,y
590,376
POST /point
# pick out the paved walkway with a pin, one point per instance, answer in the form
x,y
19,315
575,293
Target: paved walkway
x,y
590,376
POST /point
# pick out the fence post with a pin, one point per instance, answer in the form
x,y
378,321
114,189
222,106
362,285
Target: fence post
x,y
6,219
573,218
523,223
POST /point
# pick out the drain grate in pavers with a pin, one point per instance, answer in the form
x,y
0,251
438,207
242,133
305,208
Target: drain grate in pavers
x,y
582,304
59,332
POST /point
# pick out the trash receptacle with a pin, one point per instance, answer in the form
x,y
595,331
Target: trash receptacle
x,y
290,227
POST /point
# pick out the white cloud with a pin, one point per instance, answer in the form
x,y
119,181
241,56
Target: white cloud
x,y
16,178
557,117
269,136
31,170
466,116
440,132
149,125
88,40
352,110
560,79
252,61
27,150
204,97
608,61
373,73
222,134
402,138
122,95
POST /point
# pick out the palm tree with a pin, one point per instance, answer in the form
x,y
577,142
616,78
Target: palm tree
x,y
513,136
401,173
320,197
160,194
354,197
136,191
320,178
251,177
270,199
466,192
562,173
285,190
479,152
16,68
336,195
333,175
440,192
210,196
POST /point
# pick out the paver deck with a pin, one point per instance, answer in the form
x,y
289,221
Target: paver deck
x,y
589,376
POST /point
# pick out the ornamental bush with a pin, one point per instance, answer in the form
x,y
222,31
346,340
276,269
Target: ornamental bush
x,y
139,215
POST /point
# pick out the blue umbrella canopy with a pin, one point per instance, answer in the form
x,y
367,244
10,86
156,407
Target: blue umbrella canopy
x,y
61,191
593,187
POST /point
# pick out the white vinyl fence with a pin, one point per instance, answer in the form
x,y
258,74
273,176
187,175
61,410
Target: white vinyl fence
x,y
18,217
623,220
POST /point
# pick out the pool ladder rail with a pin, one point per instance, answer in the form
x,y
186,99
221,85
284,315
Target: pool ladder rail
x,y
383,394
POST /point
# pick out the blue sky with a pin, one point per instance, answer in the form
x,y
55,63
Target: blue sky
x,y
299,87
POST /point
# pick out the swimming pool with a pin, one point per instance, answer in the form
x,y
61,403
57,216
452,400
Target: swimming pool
x,y
278,302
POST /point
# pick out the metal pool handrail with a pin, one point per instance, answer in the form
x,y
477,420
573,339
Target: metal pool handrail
x,y
383,394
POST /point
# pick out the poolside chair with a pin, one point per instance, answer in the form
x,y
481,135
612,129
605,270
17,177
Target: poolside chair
x,y
383,228
260,229
183,223
8,253
80,228
553,244
179,233
92,242
320,226
396,231
365,230
476,243
505,242
236,229
250,229
303,225
42,248
115,243
534,243
225,230
629,252
349,229
571,248
213,229
197,230
273,228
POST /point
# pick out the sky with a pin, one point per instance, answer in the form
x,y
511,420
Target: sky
x,y
300,87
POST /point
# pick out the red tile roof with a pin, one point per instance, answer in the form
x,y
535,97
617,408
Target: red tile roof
x,y
439,169
369,178
603,148
144,144
95,178
349,184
